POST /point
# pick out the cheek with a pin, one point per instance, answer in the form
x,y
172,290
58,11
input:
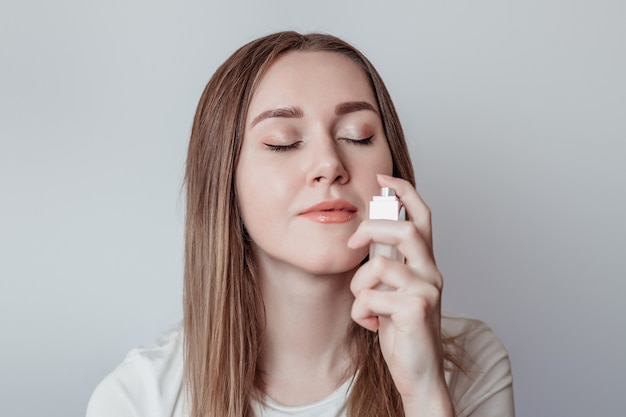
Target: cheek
x,y
250,199
380,162
262,195
386,166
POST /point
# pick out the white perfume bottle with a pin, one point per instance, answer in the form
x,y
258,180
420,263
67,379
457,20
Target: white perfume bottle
x,y
386,206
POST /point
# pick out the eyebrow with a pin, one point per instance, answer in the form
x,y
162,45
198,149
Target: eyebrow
x,y
352,106
296,112
289,112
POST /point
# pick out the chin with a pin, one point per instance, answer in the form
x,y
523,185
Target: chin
x,y
333,264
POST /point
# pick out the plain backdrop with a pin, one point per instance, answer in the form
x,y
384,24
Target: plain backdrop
x,y
516,117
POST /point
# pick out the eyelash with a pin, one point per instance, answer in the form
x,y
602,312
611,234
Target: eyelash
x,y
295,145
364,141
282,148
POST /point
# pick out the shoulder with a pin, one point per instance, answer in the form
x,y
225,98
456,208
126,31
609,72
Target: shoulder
x,y
484,386
475,337
148,382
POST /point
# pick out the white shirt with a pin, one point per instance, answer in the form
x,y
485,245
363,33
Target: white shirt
x,y
149,381
332,406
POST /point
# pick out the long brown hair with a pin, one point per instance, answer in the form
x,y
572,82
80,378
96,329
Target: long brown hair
x,y
222,331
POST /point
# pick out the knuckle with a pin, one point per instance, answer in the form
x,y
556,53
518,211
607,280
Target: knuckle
x,y
359,308
379,264
354,284
354,312
365,297
438,282
423,304
432,295
410,231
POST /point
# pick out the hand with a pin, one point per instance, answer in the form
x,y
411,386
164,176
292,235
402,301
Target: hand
x,y
408,316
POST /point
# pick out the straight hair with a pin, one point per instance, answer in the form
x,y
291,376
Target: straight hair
x,y
222,300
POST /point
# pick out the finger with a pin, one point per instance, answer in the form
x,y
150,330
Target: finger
x,y
406,238
404,235
416,209
381,270
404,309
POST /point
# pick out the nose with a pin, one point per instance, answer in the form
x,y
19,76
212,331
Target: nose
x,y
327,165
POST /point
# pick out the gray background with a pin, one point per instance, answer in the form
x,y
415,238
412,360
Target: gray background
x,y
516,117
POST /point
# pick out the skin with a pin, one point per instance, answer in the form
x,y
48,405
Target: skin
x,y
309,269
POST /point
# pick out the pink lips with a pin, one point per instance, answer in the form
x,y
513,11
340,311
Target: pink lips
x,y
335,211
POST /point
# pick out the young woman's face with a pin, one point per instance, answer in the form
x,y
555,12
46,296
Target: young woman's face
x,y
312,147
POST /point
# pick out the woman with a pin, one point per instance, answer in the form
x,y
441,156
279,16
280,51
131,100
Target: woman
x,y
284,314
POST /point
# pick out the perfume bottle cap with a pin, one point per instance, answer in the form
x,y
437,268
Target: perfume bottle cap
x,y
387,192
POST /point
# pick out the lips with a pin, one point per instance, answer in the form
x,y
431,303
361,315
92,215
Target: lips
x,y
335,211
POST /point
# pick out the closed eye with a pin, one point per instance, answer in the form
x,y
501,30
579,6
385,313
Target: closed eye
x,y
282,148
363,141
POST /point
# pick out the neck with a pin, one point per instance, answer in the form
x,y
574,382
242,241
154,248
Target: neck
x,y
304,355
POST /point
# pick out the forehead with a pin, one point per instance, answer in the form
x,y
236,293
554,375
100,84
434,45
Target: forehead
x,y
298,77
